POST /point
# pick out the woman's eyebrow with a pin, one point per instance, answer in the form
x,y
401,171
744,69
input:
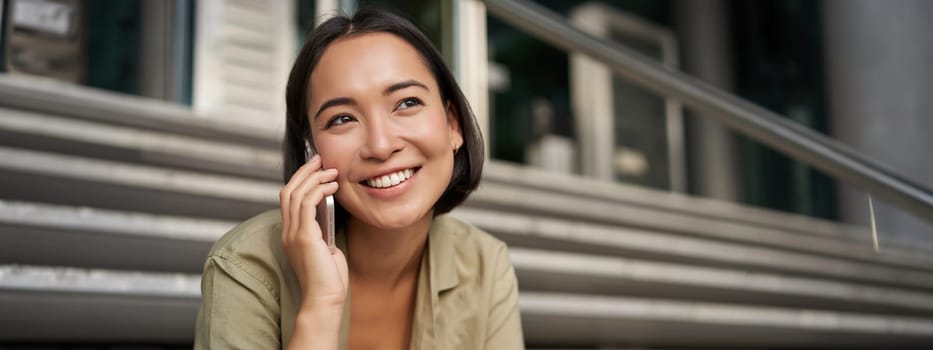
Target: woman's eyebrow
x,y
401,85
338,101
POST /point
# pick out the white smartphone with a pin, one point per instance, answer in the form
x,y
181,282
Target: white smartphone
x,y
325,209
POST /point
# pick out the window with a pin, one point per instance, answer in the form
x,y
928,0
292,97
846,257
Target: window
x,y
140,47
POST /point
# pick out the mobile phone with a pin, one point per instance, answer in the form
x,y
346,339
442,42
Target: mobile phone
x,y
325,218
325,209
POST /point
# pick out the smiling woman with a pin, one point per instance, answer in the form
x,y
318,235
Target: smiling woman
x,y
398,147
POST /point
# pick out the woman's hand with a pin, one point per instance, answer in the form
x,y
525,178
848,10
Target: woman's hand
x,y
321,274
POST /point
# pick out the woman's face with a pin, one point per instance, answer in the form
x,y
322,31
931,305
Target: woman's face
x,y
377,116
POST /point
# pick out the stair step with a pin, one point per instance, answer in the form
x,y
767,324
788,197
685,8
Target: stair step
x,y
542,270
51,304
557,319
35,131
67,304
45,234
62,99
525,230
497,196
55,178
582,187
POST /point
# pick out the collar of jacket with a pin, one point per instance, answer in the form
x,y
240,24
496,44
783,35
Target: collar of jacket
x,y
442,254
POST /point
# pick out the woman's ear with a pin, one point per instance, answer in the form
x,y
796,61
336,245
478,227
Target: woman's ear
x,y
453,126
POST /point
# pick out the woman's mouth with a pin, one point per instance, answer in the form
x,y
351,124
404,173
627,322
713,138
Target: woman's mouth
x,y
390,180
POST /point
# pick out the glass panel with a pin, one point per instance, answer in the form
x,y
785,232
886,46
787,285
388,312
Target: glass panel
x,y
778,66
426,14
4,12
306,19
641,154
113,30
530,117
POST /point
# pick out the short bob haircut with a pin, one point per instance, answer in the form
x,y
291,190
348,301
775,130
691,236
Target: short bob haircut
x,y
468,160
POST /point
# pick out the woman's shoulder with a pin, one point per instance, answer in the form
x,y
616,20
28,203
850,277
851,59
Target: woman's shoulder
x,y
257,238
464,234
472,246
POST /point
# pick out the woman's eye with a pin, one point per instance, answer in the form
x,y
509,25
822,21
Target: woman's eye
x,y
340,119
408,103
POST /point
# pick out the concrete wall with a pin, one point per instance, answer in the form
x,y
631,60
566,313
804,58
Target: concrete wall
x,y
879,80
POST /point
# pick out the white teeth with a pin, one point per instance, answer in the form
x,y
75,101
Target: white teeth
x,y
390,179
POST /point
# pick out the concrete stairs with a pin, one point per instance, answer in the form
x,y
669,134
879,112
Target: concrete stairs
x,y
108,204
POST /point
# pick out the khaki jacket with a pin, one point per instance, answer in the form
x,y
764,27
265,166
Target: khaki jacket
x,y
467,296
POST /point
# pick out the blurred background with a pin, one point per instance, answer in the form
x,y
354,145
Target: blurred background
x,y
134,133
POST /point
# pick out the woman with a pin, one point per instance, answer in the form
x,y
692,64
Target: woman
x,y
398,147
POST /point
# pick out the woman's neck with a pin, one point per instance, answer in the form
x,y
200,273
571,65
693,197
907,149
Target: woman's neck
x,y
386,257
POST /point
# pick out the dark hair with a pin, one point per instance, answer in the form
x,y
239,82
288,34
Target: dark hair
x,y
468,160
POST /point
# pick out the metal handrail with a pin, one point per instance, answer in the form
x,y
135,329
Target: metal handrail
x,y
798,142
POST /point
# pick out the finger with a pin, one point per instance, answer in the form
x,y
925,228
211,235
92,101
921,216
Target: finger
x,y
298,177
283,211
313,197
285,193
326,188
300,193
323,176
309,228
311,165
310,181
296,188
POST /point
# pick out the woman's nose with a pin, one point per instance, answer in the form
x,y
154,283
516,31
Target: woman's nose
x,y
382,140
